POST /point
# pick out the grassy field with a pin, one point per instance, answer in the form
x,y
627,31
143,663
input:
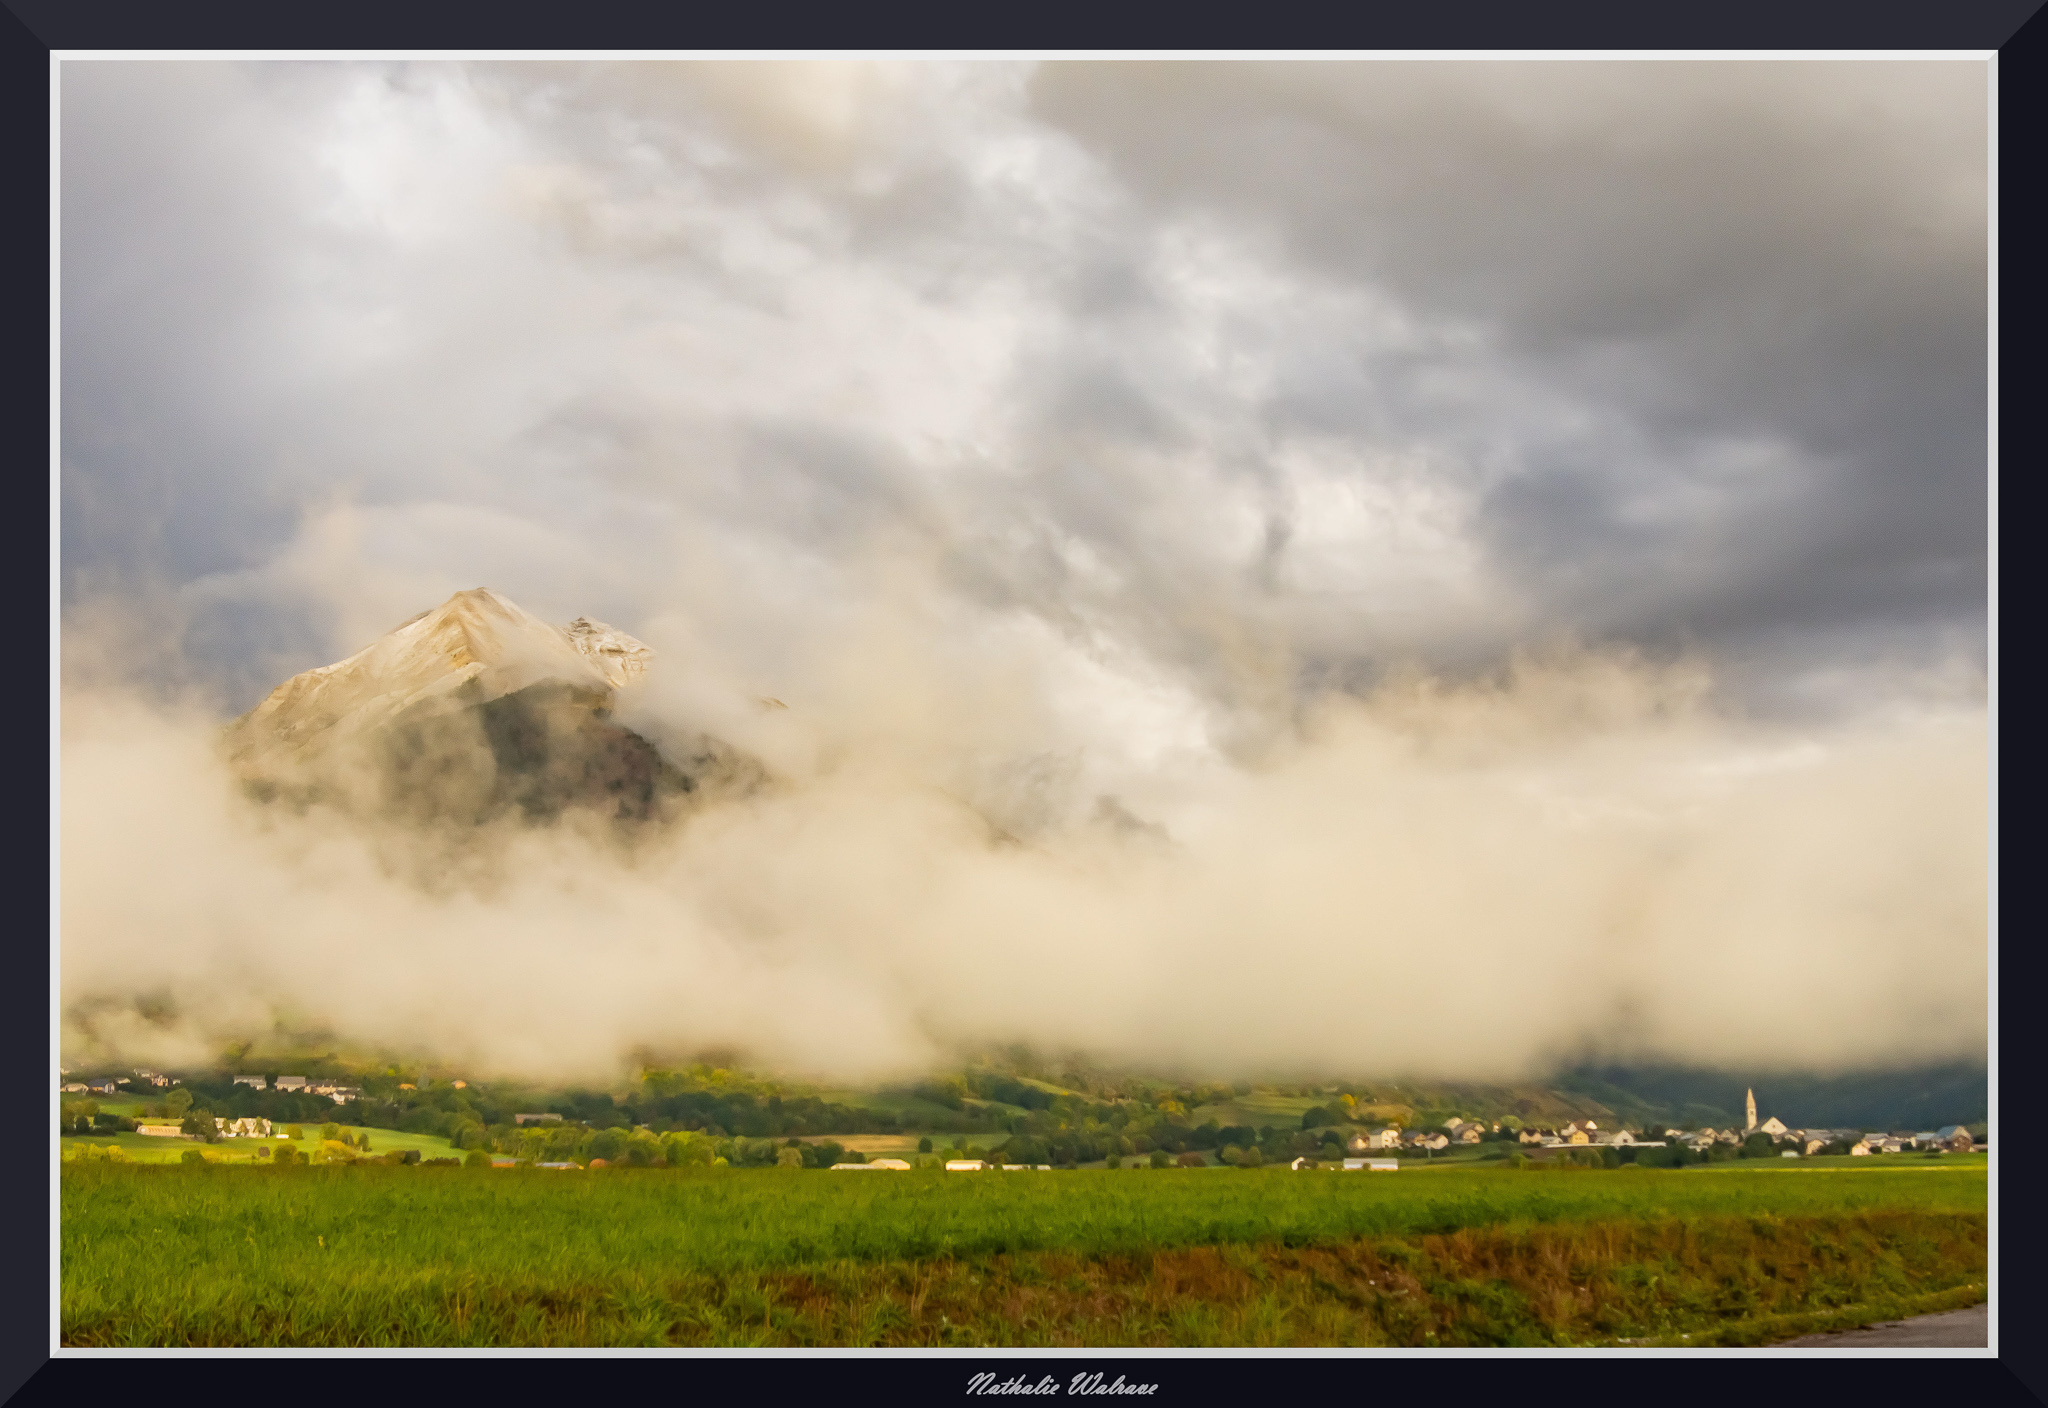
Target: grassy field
x,y
150,1148
388,1256
1259,1108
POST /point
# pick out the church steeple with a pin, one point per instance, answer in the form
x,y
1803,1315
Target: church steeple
x,y
1749,1110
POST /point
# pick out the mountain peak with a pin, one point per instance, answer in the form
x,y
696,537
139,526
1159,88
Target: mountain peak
x,y
474,647
622,658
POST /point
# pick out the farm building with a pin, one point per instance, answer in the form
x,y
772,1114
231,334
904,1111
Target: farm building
x,y
291,1083
248,1127
964,1165
161,1131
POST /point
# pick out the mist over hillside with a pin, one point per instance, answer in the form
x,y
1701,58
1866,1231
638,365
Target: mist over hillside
x,y
1912,1097
1262,571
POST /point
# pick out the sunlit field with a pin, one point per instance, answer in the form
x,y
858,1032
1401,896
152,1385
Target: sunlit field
x,y
461,1256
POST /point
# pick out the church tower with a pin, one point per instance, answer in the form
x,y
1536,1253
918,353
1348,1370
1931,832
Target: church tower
x,y
1749,1110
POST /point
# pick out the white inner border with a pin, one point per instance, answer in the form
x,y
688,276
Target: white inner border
x,y
59,57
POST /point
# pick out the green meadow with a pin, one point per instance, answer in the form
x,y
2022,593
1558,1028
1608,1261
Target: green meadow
x,y
374,1255
155,1149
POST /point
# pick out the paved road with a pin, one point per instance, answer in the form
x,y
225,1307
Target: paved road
x,y
1953,1329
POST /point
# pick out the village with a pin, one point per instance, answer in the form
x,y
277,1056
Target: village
x,y
1587,1134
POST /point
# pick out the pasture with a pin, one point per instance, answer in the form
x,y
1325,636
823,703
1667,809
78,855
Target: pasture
x,y
155,1149
447,1256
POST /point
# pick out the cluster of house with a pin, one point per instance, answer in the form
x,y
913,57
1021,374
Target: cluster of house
x,y
1590,1133
1949,1136
1455,1131
111,1085
339,1094
247,1127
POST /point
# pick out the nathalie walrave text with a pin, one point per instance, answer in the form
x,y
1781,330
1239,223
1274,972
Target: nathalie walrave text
x,y
1081,1384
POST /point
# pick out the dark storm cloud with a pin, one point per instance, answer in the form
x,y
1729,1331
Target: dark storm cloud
x,y
1779,262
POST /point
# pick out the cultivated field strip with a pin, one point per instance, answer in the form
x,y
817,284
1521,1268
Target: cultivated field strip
x,y
458,1256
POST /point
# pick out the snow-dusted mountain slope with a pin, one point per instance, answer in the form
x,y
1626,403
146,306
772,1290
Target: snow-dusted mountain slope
x,y
467,711
475,647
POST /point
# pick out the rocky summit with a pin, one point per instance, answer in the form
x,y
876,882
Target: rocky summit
x,y
468,712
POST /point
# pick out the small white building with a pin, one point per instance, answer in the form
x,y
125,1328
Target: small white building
x,y
291,1083
256,1081
76,1087
965,1165
160,1131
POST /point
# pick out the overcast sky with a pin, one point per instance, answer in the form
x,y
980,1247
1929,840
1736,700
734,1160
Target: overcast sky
x,y
1356,362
